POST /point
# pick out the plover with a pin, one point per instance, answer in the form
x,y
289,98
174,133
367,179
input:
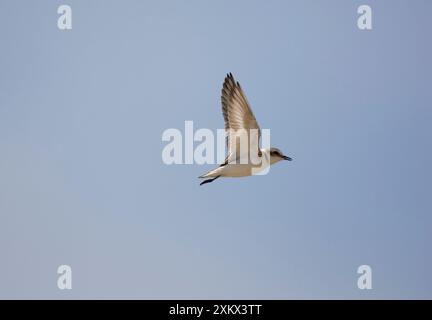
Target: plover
x,y
240,121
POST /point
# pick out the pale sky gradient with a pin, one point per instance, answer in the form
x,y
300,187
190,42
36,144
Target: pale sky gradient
x,y
82,181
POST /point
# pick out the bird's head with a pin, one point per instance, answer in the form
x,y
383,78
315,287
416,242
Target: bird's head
x,y
277,155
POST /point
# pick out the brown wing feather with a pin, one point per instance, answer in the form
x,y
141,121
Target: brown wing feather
x,y
236,110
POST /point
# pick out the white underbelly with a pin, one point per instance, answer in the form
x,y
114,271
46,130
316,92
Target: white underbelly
x,y
237,170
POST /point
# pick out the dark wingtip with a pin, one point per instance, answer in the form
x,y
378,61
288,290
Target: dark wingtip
x,y
206,181
209,180
230,76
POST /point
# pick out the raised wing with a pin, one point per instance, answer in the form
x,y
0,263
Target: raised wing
x,y
239,119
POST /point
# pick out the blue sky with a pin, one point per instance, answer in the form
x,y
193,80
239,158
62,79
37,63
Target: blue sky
x,y
82,181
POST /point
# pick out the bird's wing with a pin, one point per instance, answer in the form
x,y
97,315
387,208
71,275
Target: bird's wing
x,y
238,117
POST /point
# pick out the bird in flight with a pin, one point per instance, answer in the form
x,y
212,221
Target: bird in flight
x,y
240,125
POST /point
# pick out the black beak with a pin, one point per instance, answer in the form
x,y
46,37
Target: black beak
x,y
286,158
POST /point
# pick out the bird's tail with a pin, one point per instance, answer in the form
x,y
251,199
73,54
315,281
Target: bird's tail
x,y
209,180
210,174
